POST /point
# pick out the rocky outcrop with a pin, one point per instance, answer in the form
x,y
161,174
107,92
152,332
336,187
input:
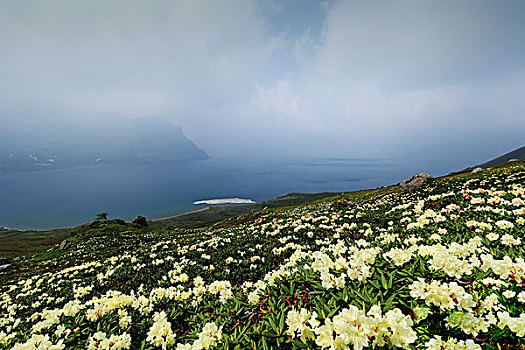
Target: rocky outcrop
x,y
65,244
6,265
478,170
140,221
414,182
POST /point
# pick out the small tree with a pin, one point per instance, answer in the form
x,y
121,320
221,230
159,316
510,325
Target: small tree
x,y
102,216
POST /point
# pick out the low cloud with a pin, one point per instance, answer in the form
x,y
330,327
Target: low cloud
x,y
391,70
262,77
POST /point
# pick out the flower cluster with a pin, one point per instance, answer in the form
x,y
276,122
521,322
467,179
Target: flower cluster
x,y
100,341
447,296
160,333
452,344
352,327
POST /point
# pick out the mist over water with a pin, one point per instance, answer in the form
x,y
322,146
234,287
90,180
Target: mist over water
x,y
68,197
254,77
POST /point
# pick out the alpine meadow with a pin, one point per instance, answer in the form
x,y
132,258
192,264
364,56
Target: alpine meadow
x,y
439,267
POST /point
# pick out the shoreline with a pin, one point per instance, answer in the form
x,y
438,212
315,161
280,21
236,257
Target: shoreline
x,y
181,214
4,228
222,201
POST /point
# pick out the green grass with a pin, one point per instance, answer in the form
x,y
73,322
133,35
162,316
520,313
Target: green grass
x,y
16,243
218,213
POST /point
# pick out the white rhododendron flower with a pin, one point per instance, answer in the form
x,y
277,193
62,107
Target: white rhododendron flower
x,y
352,327
160,333
492,236
452,344
445,295
39,341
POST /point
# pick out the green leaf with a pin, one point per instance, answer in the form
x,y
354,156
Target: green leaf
x,y
281,320
333,312
391,279
271,335
274,326
375,284
299,344
384,282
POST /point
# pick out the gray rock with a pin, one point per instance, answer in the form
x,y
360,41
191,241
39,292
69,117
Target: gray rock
x,y
141,221
414,182
512,160
7,267
478,170
65,244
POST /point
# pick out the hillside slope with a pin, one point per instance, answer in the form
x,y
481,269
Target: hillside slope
x,y
518,154
32,144
441,267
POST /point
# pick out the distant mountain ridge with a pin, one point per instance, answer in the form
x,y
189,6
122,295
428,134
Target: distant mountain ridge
x,y
516,154
29,145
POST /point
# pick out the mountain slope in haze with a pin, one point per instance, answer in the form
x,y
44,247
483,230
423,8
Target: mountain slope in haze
x,y
516,154
29,145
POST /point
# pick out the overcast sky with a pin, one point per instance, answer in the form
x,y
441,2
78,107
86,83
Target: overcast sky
x,y
325,78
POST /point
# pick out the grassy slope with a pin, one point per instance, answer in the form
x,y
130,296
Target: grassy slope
x,y
29,248
17,243
516,154
218,213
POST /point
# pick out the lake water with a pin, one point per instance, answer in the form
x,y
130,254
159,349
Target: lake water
x,y
68,197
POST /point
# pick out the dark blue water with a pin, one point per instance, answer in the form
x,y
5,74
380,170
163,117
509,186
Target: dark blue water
x,y
67,197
